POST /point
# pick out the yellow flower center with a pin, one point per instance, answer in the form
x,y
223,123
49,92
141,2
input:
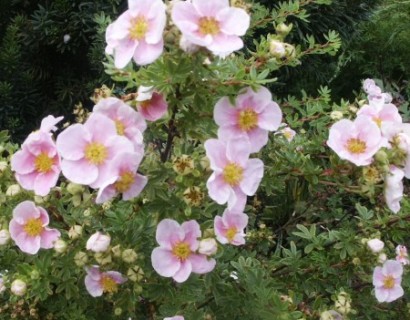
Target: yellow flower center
x,y
356,146
139,28
230,234
120,127
125,181
96,153
233,174
108,284
33,227
287,134
378,121
43,163
388,282
247,119
181,251
208,25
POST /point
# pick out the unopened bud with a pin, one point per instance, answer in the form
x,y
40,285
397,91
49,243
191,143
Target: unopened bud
x,y
283,29
277,49
80,258
336,115
13,190
18,287
208,246
4,237
74,188
75,231
129,255
375,245
60,246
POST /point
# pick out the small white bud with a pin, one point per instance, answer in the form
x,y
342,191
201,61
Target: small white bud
x,y
4,237
18,287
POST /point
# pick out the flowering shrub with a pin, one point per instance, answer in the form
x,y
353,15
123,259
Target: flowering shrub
x,y
226,204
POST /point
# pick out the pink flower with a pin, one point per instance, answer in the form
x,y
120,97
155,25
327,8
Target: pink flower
x,y
125,178
230,227
37,164
88,148
176,256
151,104
386,281
175,318
385,113
137,33
128,122
97,282
28,228
49,123
208,246
212,24
393,189
254,115
287,132
356,141
375,94
98,242
235,175
402,255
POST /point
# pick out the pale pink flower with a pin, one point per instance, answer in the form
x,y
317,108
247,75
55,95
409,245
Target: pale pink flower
x,y
98,242
29,230
235,175
375,245
187,46
137,33
375,94
88,148
230,227
49,123
393,189
125,178
128,122
176,256
151,104
175,318
254,115
402,255
212,24
356,141
97,282
37,164
387,280
380,115
286,132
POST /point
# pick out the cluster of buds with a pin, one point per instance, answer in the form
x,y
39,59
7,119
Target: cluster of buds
x,y
80,113
101,93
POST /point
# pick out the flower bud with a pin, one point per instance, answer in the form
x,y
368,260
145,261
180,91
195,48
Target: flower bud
x,y
74,188
381,156
277,49
2,286
98,242
381,258
353,109
205,164
336,115
135,274
116,251
283,29
375,245
18,287
129,255
343,303
3,166
80,258
208,246
118,311
103,258
4,237
13,190
75,232
330,315
60,246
